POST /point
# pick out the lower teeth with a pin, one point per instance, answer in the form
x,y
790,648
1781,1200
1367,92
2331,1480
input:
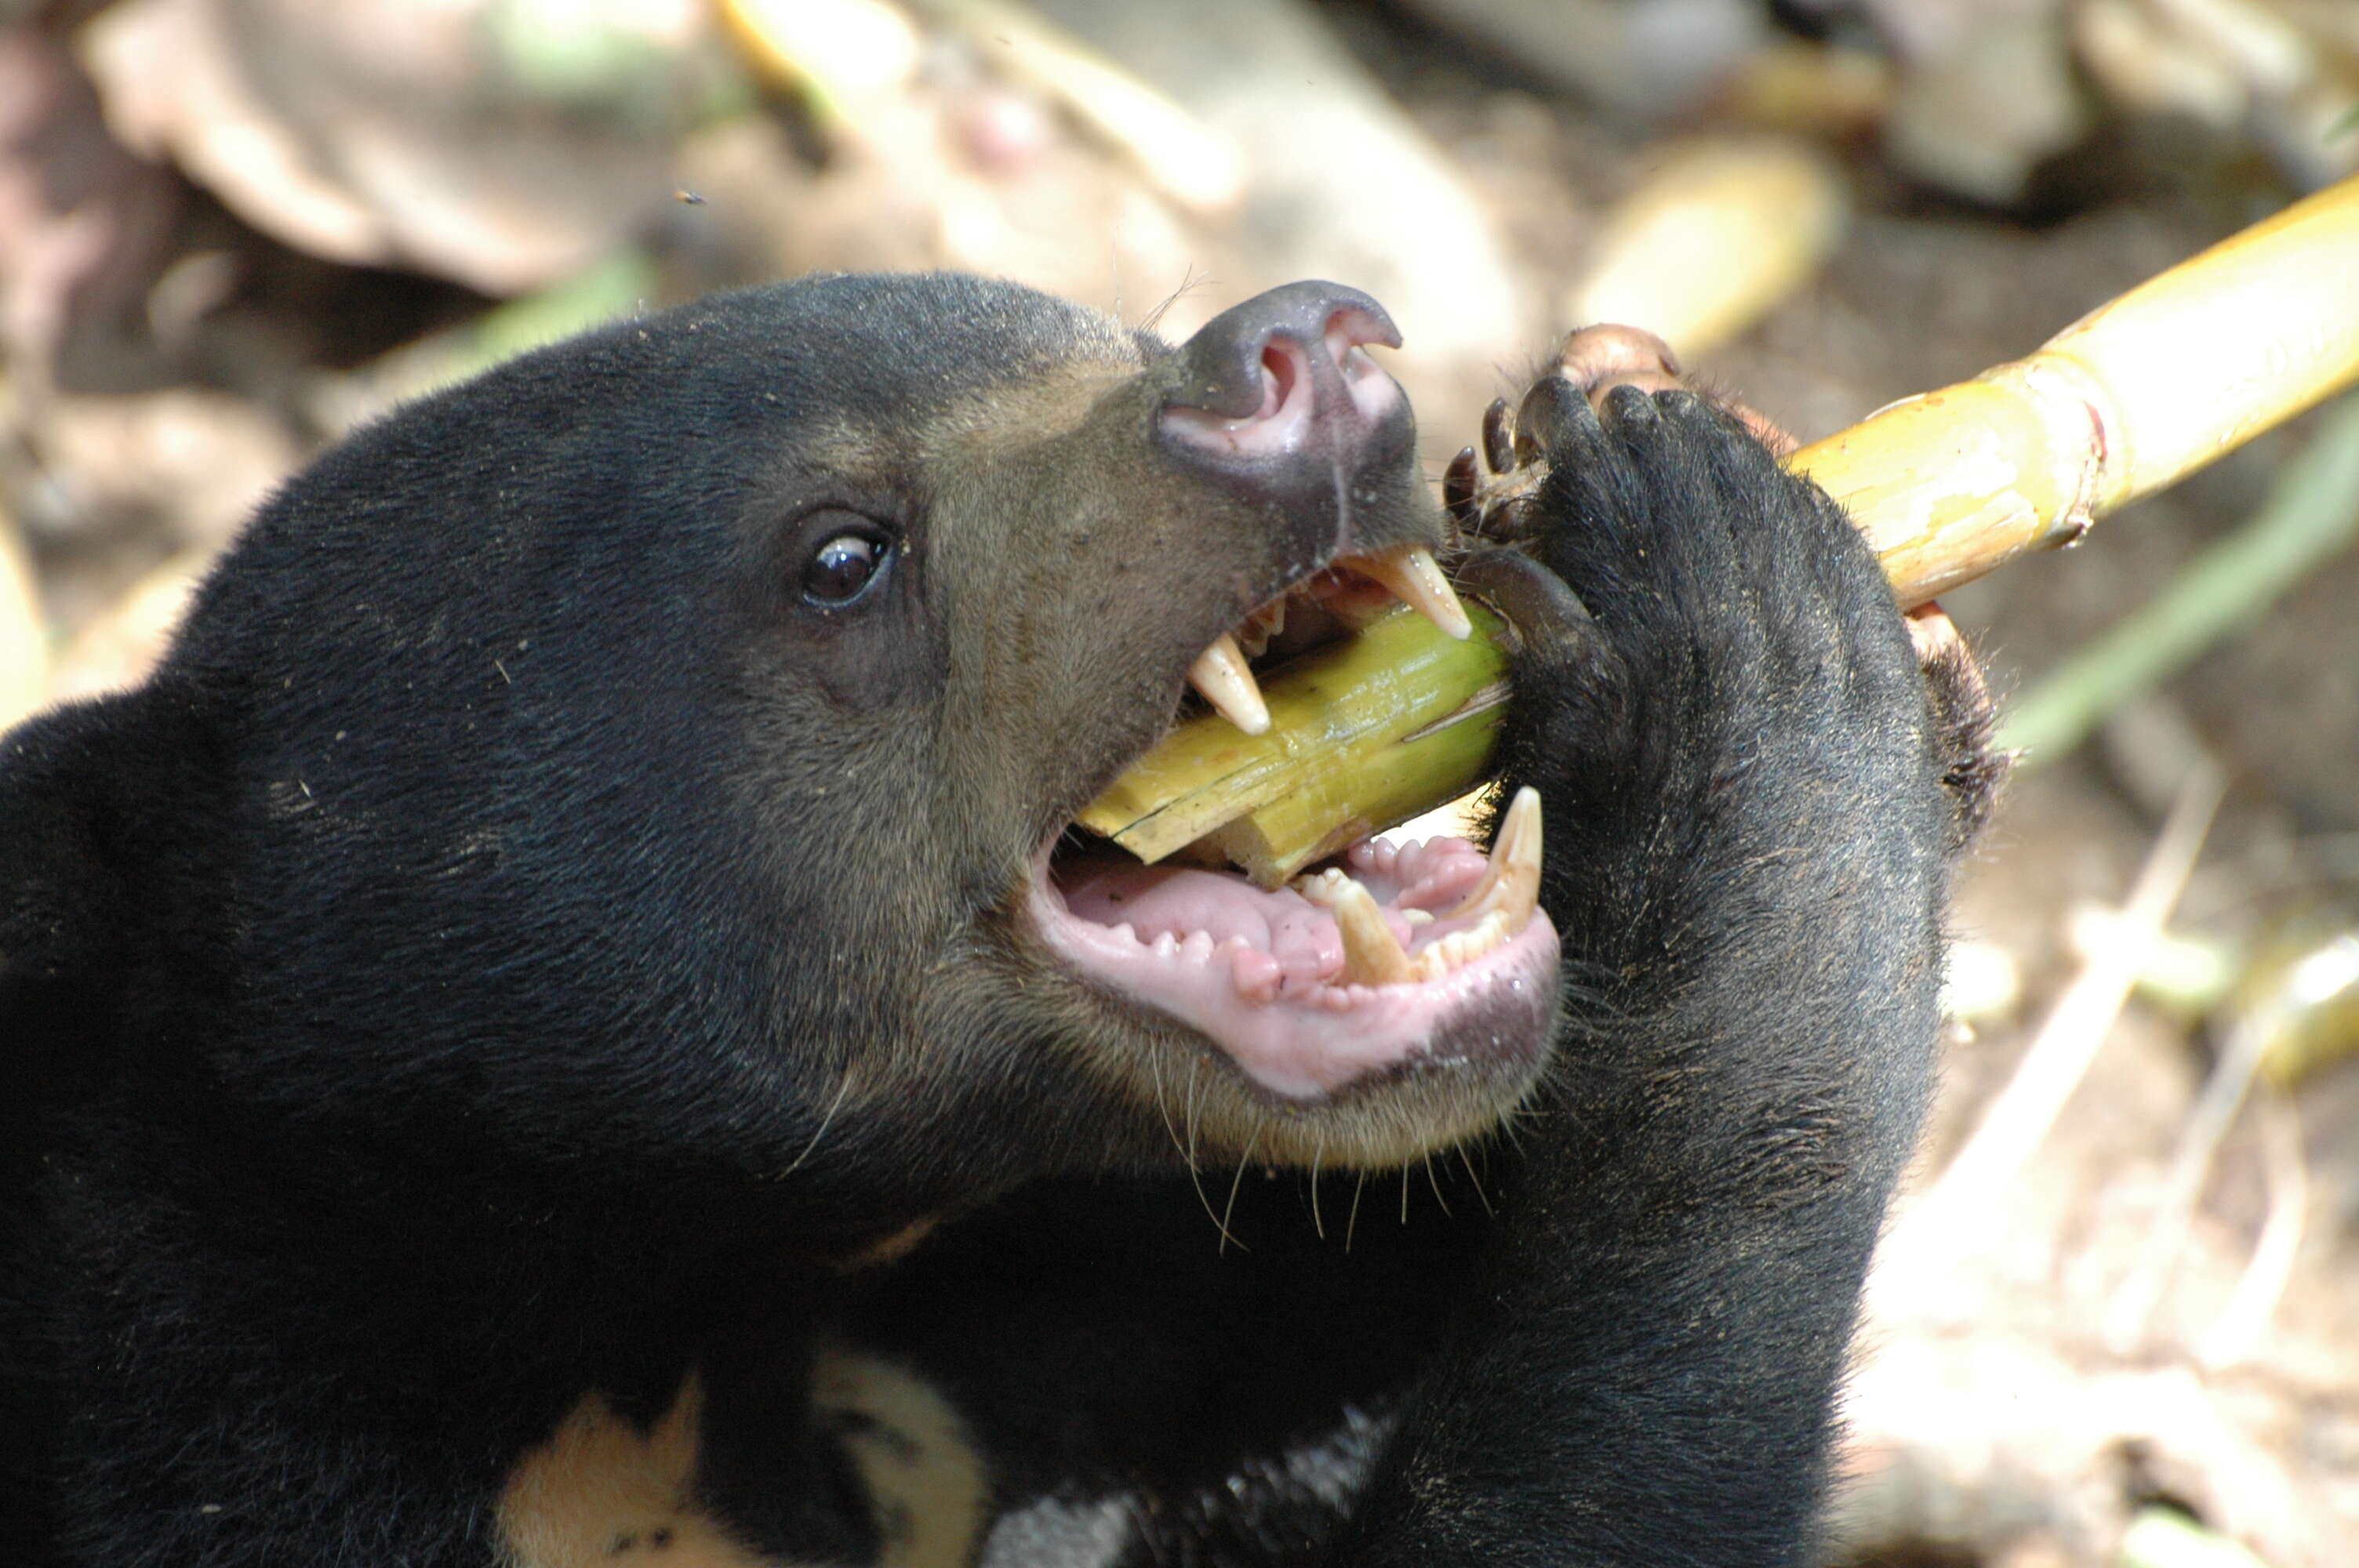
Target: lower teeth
x,y
1504,900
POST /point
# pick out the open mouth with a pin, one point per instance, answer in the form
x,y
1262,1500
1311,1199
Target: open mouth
x,y
1386,959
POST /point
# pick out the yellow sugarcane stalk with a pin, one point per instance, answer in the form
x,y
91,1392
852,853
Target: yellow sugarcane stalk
x,y
1946,485
1341,718
2132,397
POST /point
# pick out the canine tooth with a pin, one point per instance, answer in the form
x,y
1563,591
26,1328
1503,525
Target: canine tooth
x,y
1372,954
1220,673
1511,881
1415,578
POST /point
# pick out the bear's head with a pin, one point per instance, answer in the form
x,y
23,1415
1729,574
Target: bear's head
x,y
661,749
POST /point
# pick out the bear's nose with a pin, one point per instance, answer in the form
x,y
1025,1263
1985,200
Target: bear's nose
x,y
1284,373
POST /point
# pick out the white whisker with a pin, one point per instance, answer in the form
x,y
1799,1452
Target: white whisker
x,y
821,1131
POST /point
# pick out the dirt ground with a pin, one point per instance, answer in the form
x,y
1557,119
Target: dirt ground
x,y
2098,1336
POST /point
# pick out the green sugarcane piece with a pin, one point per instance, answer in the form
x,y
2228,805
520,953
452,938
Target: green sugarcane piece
x,y
1334,712
1343,806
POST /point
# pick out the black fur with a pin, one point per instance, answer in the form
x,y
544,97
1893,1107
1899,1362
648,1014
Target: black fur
x,y
517,947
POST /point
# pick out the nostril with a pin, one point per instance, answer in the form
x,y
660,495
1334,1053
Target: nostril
x,y
1348,328
1374,391
1285,371
1280,422
1279,372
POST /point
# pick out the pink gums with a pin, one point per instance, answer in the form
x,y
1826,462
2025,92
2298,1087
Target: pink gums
x,y
1260,973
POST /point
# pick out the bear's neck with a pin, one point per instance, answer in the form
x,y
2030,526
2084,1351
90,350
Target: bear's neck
x,y
503,1294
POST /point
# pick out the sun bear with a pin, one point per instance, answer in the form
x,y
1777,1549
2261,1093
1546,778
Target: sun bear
x,y
566,1023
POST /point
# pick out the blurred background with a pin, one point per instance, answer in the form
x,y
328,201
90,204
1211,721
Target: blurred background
x,y
2116,1323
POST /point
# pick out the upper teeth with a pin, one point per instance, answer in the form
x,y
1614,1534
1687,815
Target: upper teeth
x,y
1261,626
1221,677
1416,577
1220,673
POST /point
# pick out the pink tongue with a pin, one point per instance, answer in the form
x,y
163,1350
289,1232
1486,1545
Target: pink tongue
x,y
1297,934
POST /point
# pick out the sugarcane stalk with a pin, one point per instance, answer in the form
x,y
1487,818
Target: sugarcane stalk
x,y
1337,807
1335,751
2132,397
1946,485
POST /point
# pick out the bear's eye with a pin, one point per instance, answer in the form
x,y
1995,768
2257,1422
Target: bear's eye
x,y
845,566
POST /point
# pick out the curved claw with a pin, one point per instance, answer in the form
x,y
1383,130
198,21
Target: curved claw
x,y
1553,413
1499,437
1536,603
1457,486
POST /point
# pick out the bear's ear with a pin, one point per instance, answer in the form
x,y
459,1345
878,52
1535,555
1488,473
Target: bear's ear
x,y
72,782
